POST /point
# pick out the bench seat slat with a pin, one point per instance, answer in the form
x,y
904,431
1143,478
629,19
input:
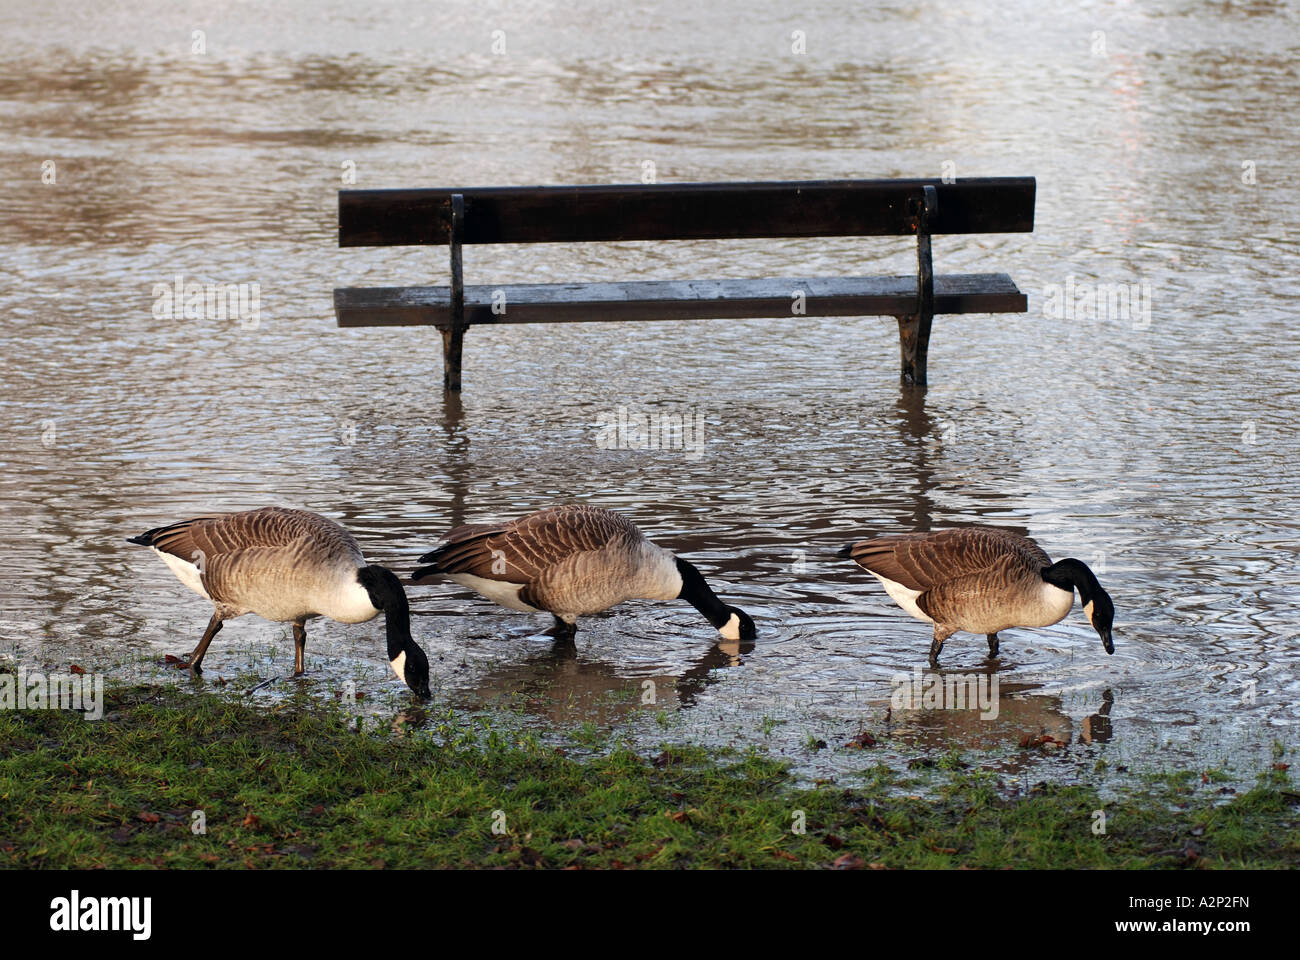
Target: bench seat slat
x,y
684,211
675,300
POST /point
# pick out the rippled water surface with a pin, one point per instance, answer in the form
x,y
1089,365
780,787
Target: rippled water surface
x,y
1161,448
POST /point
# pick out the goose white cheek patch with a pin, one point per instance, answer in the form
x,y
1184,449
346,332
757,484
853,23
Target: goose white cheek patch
x,y
1087,610
398,664
731,629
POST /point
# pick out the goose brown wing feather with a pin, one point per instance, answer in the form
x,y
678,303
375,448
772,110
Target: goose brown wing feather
x,y
975,596
923,561
276,528
234,576
521,550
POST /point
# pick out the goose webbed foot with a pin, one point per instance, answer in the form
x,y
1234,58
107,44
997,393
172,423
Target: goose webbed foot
x,y
993,645
563,632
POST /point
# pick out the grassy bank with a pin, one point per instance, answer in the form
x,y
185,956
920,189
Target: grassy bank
x,y
297,787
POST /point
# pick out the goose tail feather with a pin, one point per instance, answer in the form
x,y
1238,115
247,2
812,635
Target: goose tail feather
x,y
436,554
422,572
433,562
150,537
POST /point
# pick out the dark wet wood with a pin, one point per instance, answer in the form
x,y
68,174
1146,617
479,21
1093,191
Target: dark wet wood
x,y
683,211
676,300
453,334
914,330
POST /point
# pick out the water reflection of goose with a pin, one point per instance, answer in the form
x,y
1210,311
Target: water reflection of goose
x,y
981,580
287,566
1096,728
1020,712
561,687
574,560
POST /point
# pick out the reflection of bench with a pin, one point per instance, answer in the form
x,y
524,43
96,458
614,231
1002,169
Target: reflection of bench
x,y
685,211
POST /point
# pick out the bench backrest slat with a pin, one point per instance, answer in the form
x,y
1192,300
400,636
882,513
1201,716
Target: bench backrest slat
x,y
684,211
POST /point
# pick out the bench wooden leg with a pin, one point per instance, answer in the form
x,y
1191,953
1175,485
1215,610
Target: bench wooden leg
x,y
914,329
453,338
913,348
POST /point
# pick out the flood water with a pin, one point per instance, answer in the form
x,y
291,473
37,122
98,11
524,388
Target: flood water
x,y
1160,447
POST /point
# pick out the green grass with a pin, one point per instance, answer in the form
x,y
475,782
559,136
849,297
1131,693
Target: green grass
x,y
298,786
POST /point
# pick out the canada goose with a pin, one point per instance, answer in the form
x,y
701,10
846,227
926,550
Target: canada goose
x,y
982,580
287,566
574,560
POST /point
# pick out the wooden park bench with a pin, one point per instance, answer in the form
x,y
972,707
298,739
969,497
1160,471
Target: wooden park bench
x,y
685,211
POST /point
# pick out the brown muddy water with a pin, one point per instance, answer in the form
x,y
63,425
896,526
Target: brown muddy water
x,y
1159,446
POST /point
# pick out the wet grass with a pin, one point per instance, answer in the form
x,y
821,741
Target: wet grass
x,y
299,785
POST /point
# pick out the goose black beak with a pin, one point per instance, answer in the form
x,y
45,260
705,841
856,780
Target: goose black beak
x,y
1106,641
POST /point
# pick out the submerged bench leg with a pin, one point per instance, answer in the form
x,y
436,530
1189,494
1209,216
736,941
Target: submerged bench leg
x,y
453,338
914,329
913,348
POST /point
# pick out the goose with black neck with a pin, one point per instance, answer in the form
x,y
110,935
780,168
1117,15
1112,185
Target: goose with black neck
x,y
287,566
981,580
571,561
